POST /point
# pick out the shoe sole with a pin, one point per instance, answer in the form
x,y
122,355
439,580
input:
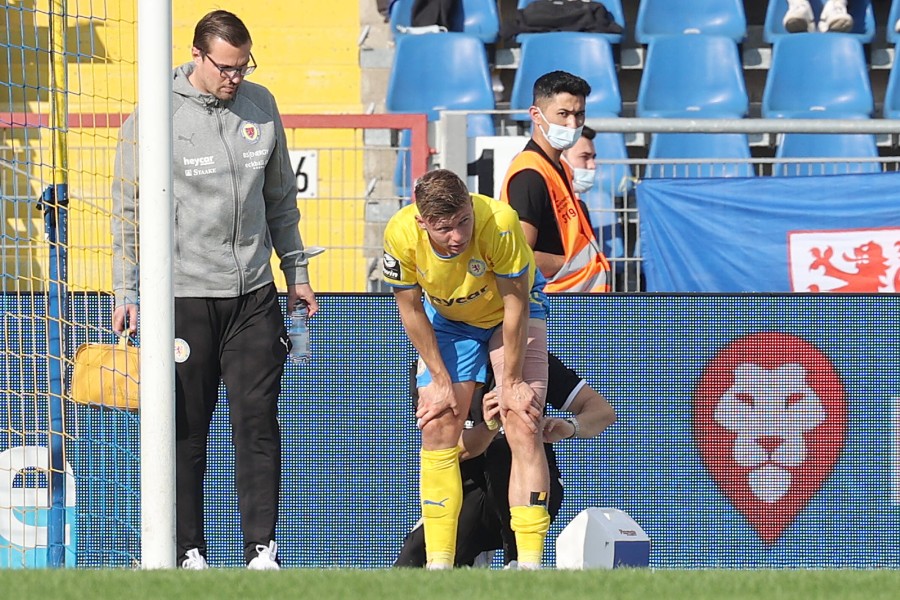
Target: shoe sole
x,y
841,25
796,25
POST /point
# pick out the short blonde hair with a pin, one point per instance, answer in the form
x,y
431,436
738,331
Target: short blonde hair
x,y
440,194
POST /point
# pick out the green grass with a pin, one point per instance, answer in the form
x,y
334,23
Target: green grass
x,y
319,584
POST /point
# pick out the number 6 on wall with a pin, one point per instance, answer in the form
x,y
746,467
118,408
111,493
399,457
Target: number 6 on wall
x,y
305,164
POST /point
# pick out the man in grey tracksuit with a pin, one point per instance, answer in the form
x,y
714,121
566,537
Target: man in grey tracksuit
x,y
235,201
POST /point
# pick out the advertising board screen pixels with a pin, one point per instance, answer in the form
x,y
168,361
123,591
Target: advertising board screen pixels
x,y
753,431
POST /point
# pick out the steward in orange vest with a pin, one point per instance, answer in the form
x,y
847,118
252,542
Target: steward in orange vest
x,y
538,184
586,268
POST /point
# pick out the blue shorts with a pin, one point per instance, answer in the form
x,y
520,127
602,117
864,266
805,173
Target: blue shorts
x,y
464,347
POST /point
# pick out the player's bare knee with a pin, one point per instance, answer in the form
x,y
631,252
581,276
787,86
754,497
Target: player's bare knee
x,y
524,442
441,432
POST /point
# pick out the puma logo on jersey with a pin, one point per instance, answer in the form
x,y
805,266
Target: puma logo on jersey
x,y
442,503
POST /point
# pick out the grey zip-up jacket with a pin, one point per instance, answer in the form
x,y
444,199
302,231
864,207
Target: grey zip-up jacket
x,y
235,196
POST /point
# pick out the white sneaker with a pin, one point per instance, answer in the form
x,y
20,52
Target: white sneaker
x,y
512,565
194,561
483,560
527,566
835,17
799,17
265,558
422,29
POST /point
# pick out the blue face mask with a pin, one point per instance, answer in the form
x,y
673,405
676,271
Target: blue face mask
x,y
560,137
582,179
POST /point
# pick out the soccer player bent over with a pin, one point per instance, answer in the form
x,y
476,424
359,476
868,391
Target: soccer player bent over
x,y
483,300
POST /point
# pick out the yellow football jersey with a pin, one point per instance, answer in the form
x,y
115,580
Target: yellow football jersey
x,y
462,287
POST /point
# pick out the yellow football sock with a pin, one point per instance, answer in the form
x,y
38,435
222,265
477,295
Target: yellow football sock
x,y
440,489
530,524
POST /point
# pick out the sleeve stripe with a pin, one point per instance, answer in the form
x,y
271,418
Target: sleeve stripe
x,y
512,275
572,395
401,285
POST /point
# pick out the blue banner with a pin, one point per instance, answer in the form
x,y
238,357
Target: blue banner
x,y
837,233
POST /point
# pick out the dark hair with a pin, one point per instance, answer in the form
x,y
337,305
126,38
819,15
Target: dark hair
x,y
220,24
559,82
588,133
440,194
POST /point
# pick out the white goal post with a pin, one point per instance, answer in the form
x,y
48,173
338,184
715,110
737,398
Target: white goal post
x,y
157,323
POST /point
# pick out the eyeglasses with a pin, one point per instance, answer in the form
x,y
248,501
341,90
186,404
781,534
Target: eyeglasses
x,y
232,72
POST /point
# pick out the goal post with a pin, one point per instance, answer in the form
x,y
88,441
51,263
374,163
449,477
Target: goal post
x,y
157,320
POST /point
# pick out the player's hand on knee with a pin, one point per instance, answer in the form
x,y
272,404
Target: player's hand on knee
x,y
521,399
434,400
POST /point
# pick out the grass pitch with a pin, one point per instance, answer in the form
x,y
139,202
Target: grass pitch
x,y
475,584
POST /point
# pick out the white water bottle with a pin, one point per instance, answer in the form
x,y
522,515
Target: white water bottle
x,y
301,352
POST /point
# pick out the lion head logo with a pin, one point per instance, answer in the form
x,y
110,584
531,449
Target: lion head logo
x,y
769,421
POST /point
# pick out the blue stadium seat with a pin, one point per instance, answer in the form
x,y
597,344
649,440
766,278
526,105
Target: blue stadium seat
x,y
893,15
587,55
463,80
612,179
891,108
711,17
475,17
416,86
692,76
712,146
814,75
861,11
826,145
613,6
605,221
403,168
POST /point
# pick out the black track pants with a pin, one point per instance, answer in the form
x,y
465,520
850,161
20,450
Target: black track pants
x,y
243,342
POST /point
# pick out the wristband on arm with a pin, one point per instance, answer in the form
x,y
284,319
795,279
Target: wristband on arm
x,y
573,421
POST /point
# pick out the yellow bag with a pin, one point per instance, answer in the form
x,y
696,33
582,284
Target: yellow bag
x,y
107,375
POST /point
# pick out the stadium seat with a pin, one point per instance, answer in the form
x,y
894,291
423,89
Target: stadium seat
x,y
891,108
476,125
711,17
475,17
890,27
712,146
613,6
587,55
403,168
601,204
815,75
692,76
415,86
612,179
463,80
861,11
829,146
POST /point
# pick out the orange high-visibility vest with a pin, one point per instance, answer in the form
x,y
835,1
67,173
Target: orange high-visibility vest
x,y
586,268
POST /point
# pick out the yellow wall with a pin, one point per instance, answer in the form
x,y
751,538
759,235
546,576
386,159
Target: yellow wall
x,y
307,56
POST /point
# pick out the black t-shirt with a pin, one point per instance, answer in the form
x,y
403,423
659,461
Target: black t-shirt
x,y
528,194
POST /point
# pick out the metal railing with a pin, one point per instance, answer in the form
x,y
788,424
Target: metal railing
x,y
615,214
